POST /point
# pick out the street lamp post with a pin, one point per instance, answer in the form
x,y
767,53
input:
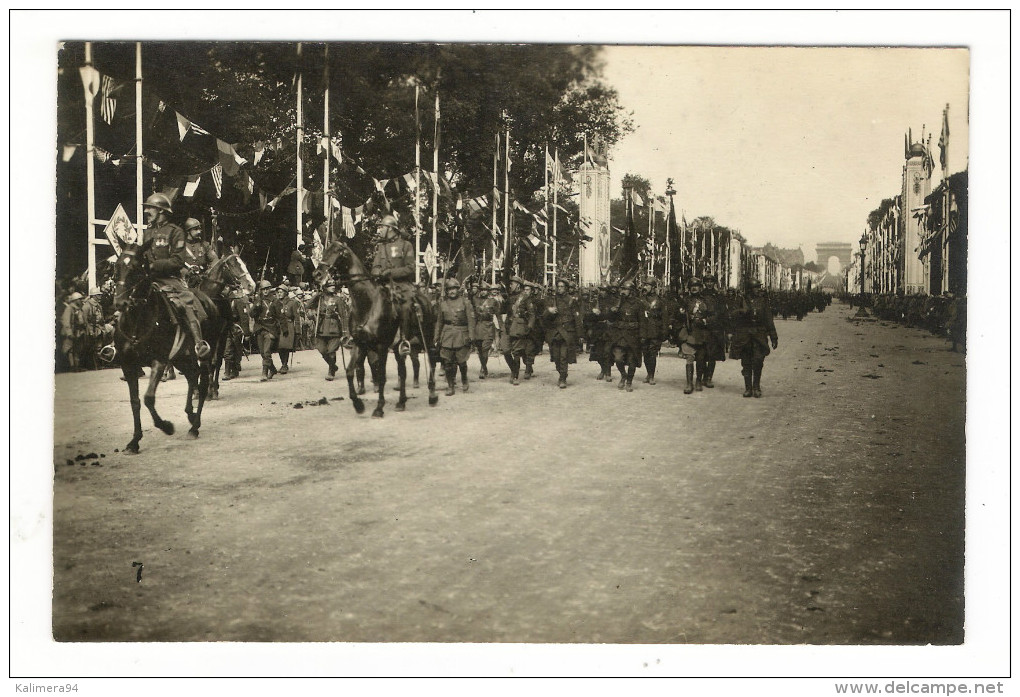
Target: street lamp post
x,y
863,242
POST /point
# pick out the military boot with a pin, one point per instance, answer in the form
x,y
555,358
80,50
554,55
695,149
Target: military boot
x,y
748,390
529,371
709,372
202,348
265,374
463,377
690,379
756,383
562,384
451,388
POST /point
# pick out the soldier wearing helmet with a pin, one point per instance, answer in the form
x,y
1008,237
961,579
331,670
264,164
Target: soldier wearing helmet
x,y
487,317
562,320
653,329
695,317
718,325
165,244
520,322
626,318
394,264
199,255
331,321
455,333
753,328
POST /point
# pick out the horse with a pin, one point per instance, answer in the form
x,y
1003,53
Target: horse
x,y
375,322
225,272
148,332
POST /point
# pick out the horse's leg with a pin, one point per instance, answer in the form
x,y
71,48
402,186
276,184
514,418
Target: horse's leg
x,y
158,367
360,370
214,373
130,371
416,366
401,379
198,378
357,357
379,371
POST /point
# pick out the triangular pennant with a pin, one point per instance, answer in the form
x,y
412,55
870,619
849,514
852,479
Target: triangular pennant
x,y
182,125
68,152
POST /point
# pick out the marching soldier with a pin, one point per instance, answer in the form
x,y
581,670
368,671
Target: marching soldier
x,y
653,329
330,320
455,332
486,317
597,333
694,334
286,340
718,321
266,318
753,327
625,320
240,309
562,320
166,257
520,321
536,337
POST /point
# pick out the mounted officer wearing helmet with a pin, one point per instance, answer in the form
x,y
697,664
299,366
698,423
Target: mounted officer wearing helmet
x,y
165,251
199,255
394,264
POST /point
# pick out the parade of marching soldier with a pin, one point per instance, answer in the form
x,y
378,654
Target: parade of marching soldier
x,y
509,343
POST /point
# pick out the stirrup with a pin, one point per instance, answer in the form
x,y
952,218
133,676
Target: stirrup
x,y
108,353
202,348
404,347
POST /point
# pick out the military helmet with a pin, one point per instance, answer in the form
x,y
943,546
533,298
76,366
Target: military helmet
x,y
695,282
628,284
563,281
754,283
159,201
192,224
452,283
648,281
388,221
711,278
264,284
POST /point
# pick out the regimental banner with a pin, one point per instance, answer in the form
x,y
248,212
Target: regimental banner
x,y
593,189
430,259
119,230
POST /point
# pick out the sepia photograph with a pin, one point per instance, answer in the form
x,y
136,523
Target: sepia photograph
x,y
379,349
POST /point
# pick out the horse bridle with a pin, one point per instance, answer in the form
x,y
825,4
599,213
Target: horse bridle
x,y
349,279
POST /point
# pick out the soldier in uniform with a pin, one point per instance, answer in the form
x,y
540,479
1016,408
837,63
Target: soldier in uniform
x,y
240,310
266,318
694,334
455,334
487,316
289,323
165,254
520,321
92,321
653,329
753,327
536,337
597,334
625,320
562,320
199,255
394,264
718,325
328,310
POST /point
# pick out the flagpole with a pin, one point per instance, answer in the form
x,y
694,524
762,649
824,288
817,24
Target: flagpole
x,y
300,138
651,231
90,169
506,205
417,188
556,200
139,191
435,188
327,204
545,251
495,203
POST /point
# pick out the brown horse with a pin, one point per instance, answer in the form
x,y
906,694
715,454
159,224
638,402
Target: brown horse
x,y
224,273
374,326
148,333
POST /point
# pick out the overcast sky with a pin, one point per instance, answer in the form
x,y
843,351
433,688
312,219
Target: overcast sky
x,y
788,145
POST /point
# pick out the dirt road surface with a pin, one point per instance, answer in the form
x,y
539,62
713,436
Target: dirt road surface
x,y
831,511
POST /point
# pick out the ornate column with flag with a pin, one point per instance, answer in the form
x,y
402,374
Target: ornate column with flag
x,y
300,138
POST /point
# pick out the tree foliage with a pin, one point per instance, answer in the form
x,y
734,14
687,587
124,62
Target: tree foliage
x,y
244,92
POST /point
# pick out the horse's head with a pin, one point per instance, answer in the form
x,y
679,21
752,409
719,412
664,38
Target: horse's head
x,y
237,272
131,270
336,254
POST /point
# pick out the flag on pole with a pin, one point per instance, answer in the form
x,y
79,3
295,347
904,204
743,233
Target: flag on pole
x,y
944,141
217,177
192,186
348,219
636,199
108,104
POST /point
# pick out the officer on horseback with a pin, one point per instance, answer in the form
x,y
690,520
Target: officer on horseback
x,y
165,253
199,255
394,264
